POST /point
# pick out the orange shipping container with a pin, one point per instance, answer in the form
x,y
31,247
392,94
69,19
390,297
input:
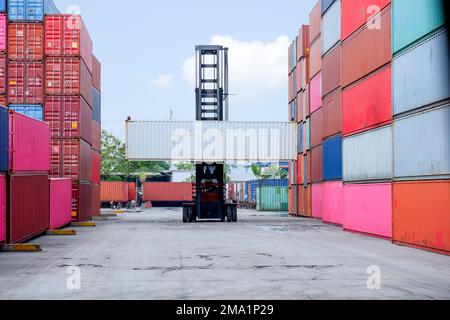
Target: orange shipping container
x,y
421,214
26,41
168,191
132,191
116,191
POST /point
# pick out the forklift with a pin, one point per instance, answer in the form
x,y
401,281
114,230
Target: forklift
x,y
211,92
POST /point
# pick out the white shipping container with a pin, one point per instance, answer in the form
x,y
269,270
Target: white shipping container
x,y
368,156
211,141
331,27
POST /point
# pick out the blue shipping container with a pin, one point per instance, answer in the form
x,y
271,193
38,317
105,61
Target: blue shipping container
x,y
326,4
2,6
30,10
32,111
332,158
96,106
4,137
273,183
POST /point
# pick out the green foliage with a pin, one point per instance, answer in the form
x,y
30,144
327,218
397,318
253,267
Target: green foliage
x,y
185,166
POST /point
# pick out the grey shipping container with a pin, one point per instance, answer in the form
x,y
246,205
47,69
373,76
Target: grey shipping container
x,y
421,74
422,145
368,156
331,27
96,105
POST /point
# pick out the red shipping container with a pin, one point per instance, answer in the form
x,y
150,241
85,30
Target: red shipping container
x,y
29,144
367,50
304,64
25,82
116,191
96,136
307,166
69,117
332,114
3,71
303,44
26,41
96,74
421,215
68,77
315,58
367,104
331,71
3,33
96,205
2,208
301,205
167,191
300,169
132,191
81,201
355,14
317,164
315,22
96,164
67,35
316,128
71,158
60,203
29,212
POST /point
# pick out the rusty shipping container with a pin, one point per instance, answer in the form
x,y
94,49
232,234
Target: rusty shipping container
x,y
71,158
96,204
26,41
29,207
317,164
167,191
116,191
316,128
81,201
331,70
315,22
421,214
332,114
367,50
25,82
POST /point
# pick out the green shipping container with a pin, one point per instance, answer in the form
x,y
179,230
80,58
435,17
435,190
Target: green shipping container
x,y
308,133
412,20
272,198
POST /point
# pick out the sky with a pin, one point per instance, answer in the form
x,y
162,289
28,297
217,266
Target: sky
x,y
146,49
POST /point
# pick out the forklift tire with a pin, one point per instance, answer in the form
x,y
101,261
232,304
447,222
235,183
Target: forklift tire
x,y
190,215
185,215
235,217
229,214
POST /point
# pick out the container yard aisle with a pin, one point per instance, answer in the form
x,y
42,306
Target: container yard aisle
x,y
265,256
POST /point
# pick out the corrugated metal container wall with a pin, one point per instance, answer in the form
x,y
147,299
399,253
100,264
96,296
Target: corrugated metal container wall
x,y
367,104
315,18
3,5
300,169
96,136
307,169
2,208
26,41
96,164
301,205
368,156
414,19
168,191
421,214
272,183
81,201
325,5
25,82
3,77
71,158
304,103
356,13
291,201
304,41
315,60
3,100
304,196
332,158
4,139
331,71
29,212
331,27
367,50
307,135
298,77
316,128
368,209
69,117
3,31
422,145
96,74
29,110
132,191
116,191
29,144
272,198
96,204
304,64
333,203
421,75
317,164
315,101
332,114
316,200
30,10
60,203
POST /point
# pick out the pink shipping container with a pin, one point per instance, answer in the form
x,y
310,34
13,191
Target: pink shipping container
x,y
317,211
315,101
60,203
332,205
29,144
3,32
368,209
2,208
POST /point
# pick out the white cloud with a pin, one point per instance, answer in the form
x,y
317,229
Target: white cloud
x,y
163,81
255,68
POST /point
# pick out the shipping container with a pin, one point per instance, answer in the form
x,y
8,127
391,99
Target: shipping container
x,y
292,191
96,204
422,145
325,5
3,101
332,158
414,19
367,50
70,117
316,128
292,173
132,191
300,169
368,156
303,100
315,60
301,203
272,183
25,82
26,41
29,144
96,164
3,5
421,75
81,201
3,206
116,191
303,42
315,99
305,65
29,211
304,198
307,169
67,35
307,135
316,201
368,209
317,164
3,29
168,192
71,158
333,203
367,104
96,74
60,202
33,111
331,27
96,136
68,77
4,139
421,215
332,114
30,10
298,77
357,13
331,70
315,20
272,199
3,77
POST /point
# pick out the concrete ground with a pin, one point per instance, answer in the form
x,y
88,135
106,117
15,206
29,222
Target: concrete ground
x,y
152,255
